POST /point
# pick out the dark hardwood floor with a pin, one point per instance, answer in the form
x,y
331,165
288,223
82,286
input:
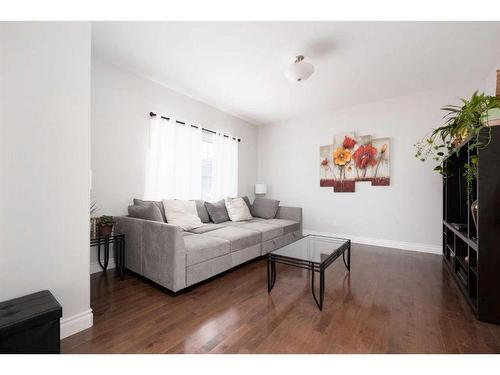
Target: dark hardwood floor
x,y
392,302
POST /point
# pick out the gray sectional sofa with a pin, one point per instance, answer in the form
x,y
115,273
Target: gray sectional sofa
x,y
176,259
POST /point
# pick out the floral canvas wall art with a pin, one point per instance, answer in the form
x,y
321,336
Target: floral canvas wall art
x,y
351,158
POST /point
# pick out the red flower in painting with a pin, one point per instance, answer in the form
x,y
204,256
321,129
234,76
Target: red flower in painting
x,y
348,143
364,156
324,162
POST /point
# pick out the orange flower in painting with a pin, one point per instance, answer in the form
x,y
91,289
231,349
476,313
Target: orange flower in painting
x,y
341,156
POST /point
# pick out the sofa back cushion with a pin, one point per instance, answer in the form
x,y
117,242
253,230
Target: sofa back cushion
x,y
237,209
159,204
265,208
146,212
217,211
202,211
182,213
247,201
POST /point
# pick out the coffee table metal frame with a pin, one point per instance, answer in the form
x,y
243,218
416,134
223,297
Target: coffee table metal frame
x,y
272,259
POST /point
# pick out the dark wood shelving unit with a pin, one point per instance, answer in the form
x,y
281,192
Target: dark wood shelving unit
x,y
472,253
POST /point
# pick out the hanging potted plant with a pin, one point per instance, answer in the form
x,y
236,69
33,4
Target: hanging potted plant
x,y
469,123
106,225
462,123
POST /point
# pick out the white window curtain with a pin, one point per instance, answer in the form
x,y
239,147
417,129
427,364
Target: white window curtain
x,y
225,167
173,168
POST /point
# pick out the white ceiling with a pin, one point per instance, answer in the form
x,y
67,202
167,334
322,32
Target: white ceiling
x,y
238,66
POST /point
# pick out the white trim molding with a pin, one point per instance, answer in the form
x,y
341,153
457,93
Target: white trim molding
x,y
76,323
412,246
95,267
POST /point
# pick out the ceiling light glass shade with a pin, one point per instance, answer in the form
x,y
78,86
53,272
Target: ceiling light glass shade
x,y
299,71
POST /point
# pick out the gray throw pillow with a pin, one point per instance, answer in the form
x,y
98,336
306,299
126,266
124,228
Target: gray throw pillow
x,y
202,211
217,211
146,212
159,204
265,208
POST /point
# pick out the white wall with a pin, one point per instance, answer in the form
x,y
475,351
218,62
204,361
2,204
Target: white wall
x,y
405,215
490,81
44,156
121,102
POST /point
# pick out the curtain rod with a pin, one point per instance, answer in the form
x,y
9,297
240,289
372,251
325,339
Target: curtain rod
x,y
152,114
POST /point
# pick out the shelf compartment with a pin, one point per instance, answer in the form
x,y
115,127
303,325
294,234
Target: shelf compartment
x,y
463,262
463,277
462,235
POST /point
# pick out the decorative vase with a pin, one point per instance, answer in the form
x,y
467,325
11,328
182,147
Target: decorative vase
x,y
105,230
474,209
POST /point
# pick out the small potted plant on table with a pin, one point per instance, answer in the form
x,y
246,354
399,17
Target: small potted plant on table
x,y
106,225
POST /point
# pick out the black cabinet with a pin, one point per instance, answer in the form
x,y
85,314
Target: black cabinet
x,y
472,253
30,324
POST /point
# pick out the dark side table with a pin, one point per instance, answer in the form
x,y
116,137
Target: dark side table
x,y
118,240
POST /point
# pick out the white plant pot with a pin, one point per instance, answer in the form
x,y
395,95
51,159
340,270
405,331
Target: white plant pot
x,y
493,117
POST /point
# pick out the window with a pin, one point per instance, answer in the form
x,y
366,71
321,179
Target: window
x,y
207,162
185,162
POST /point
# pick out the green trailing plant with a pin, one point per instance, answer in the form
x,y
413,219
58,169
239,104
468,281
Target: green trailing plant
x,y
470,174
106,221
465,123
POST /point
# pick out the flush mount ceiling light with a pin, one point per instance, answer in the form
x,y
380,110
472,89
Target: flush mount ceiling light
x,y
299,71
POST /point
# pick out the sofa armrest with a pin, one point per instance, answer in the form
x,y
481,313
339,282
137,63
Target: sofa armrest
x,y
290,213
154,250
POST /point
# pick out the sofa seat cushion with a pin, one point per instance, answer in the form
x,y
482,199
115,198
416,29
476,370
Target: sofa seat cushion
x,y
287,225
269,231
232,223
239,238
206,228
257,220
200,248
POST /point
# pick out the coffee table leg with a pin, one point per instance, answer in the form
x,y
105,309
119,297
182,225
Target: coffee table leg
x,y
321,288
348,263
271,273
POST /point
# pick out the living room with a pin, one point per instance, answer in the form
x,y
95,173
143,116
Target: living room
x,y
294,187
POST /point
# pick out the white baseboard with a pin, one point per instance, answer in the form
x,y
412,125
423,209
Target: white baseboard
x,y
76,323
95,267
412,246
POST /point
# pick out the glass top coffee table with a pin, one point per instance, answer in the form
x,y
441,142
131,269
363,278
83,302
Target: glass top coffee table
x,y
313,253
